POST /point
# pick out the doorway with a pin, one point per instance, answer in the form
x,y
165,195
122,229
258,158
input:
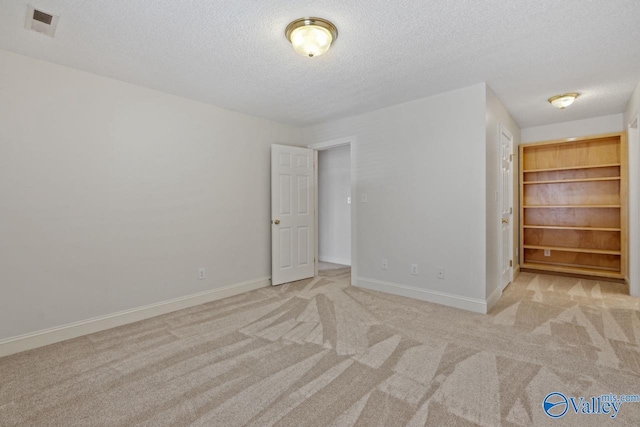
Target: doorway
x,y
334,207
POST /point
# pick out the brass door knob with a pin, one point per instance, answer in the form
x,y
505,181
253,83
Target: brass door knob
x,y
505,221
276,222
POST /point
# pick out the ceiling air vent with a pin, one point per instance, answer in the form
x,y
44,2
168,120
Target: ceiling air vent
x,y
40,21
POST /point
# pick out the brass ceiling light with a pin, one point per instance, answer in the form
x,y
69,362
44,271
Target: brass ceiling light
x,y
311,36
564,100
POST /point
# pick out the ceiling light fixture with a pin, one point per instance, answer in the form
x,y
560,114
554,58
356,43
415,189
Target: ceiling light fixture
x,y
564,100
311,36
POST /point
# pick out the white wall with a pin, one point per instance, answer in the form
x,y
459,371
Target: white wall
x,y
112,195
631,114
592,126
422,168
334,213
633,107
496,115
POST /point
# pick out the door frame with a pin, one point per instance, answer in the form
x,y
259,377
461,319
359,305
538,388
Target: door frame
x,y
325,145
502,130
633,269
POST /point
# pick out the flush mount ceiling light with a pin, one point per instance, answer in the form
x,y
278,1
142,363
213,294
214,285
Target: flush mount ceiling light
x,y
311,36
564,100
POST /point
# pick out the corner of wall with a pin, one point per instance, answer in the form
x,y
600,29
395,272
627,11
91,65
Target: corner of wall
x,y
631,112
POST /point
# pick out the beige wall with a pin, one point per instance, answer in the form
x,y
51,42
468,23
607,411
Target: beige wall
x,y
113,195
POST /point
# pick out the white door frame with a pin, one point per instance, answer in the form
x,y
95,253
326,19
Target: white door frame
x,y
351,142
504,131
633,278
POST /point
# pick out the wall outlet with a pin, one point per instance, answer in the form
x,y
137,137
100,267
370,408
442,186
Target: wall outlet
x,y
349,200
440,273
547,252
202,273
414,269
384,264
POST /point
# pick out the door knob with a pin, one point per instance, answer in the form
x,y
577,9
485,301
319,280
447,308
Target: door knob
x,y
505,221
276,222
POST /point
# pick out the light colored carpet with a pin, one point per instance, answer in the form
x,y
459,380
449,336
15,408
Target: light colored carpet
x,y
322,353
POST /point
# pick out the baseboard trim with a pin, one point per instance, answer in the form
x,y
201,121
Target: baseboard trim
x,y
84,327
451,300
493,298
334,260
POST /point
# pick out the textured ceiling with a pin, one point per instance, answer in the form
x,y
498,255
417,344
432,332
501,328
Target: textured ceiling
x,y
232,53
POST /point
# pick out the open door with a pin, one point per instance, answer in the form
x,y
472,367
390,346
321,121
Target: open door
x,y
292,214
506,207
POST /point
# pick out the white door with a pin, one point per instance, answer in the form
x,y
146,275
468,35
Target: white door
x,y
506,207
292,214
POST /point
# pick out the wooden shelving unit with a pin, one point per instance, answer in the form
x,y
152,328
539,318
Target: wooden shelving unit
x,y
573,199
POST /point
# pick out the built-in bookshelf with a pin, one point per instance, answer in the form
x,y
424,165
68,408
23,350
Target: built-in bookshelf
x,y
573,196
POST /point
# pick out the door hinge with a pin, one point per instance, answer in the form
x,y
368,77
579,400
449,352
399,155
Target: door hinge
x,y
511,157
510,263
511,211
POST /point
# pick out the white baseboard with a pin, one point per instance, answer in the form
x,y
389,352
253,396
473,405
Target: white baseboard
x,y
493,298
334,260
84,327
451,300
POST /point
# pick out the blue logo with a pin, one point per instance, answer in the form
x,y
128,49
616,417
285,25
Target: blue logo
x,y
555,405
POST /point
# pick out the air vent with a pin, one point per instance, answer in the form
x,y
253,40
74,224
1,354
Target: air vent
x,y
41,21
38,15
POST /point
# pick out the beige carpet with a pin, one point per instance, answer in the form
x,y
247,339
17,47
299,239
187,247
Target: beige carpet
x,y
322,353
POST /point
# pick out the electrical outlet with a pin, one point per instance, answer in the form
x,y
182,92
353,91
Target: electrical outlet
x,y
384,264
349,200
414,269
202,273
547,252
440,274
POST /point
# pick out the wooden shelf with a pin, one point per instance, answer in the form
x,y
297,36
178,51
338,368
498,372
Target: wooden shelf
x,y
572,168
573,269
562,181
570,206
580,250
580,211
560,227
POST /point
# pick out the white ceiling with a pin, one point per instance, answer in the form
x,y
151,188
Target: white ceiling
x,y
233,53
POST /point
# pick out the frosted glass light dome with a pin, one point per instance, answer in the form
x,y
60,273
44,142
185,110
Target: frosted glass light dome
x,y
311,36
563,101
